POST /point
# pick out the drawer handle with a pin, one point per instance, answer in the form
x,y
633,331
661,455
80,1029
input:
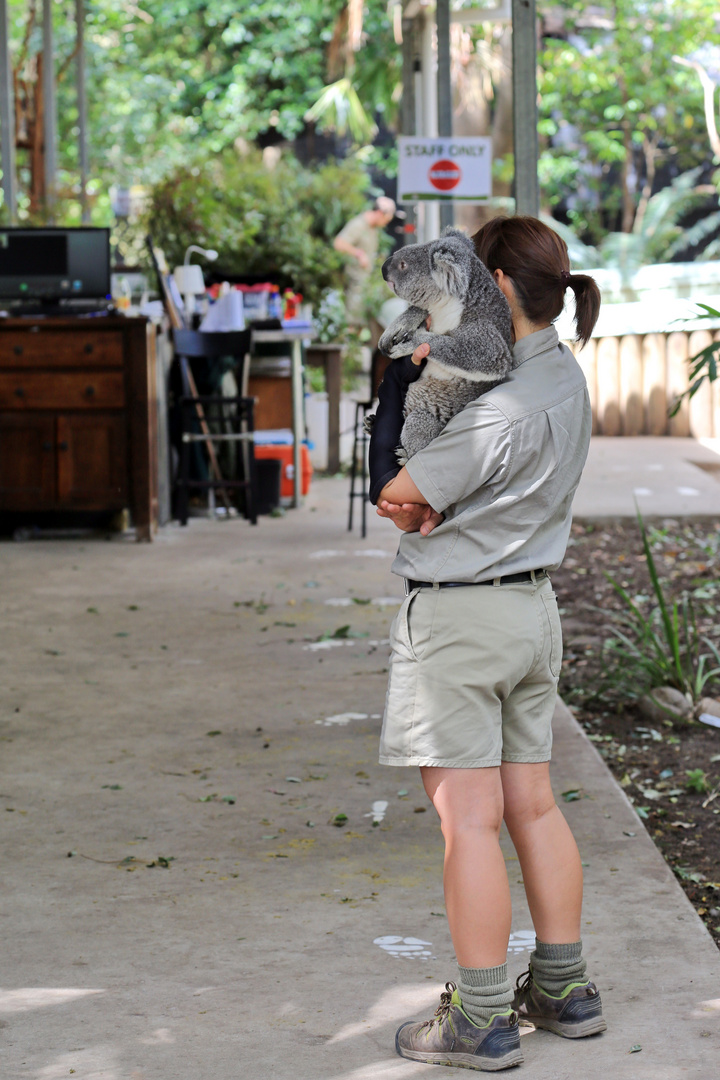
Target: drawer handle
x,y
19,392
89,391
89,348
63,445
18,350
47,446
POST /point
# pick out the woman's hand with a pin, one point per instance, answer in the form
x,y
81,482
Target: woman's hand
x,y
420,353
411,517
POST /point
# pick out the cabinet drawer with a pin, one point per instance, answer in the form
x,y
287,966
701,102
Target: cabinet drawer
x,y
55,348
62,390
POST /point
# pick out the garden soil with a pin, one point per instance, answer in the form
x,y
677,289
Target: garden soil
x,y
669,770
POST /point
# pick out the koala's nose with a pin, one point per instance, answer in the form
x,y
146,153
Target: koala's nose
x,y
386,268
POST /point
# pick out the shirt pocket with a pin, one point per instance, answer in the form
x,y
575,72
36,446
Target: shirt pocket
x,y
555,631
411,630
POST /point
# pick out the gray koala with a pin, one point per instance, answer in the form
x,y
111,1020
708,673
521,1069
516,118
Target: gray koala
x,y
470,335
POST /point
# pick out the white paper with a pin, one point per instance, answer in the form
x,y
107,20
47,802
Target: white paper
x,y
226,314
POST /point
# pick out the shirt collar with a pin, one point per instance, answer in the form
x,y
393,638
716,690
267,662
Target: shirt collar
x,y
539,342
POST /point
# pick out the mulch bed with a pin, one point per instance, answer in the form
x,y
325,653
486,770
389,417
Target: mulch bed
x,y
655,762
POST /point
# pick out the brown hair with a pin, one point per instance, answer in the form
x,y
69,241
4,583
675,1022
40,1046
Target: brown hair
x,y
536,260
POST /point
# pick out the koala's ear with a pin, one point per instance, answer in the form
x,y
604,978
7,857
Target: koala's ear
x,y
457,234
450,267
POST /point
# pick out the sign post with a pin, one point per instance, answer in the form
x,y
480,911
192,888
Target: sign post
x,y
444,169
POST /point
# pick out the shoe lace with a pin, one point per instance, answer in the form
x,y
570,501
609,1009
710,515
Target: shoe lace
x,y
527,976
443,1008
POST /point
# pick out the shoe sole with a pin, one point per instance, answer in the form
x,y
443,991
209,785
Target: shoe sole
x,y
593,1026
466,1061
463,1061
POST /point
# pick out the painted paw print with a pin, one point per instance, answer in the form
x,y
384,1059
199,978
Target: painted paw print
x,y
407,948
522,941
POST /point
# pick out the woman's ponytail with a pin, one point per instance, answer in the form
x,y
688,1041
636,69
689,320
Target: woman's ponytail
x,y
587,305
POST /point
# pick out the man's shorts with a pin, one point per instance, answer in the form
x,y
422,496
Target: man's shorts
x,y
473,676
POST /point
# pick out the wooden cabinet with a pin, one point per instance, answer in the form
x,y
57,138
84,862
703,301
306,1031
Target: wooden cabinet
x,y
78,417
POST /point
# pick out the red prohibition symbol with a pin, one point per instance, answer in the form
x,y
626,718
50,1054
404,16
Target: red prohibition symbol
x,y
444,175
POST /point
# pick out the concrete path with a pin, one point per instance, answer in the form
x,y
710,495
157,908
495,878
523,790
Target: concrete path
x,y
188,719
672,478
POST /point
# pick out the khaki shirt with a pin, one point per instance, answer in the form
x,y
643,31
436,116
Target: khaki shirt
x,y
361,235
504,472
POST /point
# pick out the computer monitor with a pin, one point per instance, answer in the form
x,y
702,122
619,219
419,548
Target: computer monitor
x,y
54,268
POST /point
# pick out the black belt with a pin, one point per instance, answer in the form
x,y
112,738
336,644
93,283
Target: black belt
x,y
509,579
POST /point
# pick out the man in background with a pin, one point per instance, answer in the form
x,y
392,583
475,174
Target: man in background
x,y
359,241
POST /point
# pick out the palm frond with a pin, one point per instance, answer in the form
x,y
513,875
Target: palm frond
x,y
338,108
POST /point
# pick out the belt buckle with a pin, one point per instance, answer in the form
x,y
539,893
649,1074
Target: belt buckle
x,y
406,583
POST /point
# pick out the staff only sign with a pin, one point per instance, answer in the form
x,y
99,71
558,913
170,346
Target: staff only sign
x,y
446,169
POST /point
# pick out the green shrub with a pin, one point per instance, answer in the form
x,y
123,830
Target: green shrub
x,y
663,648
697,781
274,223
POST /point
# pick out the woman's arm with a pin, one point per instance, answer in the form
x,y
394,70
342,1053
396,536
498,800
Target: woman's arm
x,y
401,489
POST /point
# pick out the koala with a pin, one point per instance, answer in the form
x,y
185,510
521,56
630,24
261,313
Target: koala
x,y
469,336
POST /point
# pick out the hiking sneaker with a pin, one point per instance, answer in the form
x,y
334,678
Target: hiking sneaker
x,y
575,1013
451,1038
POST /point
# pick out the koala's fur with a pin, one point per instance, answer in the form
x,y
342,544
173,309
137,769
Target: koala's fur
x,y
470,335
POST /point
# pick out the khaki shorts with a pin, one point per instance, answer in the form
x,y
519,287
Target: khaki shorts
x,y
473,676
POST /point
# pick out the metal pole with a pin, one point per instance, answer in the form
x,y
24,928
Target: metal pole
x,y
444,89
7,117
82,109
525,121
408,118
49,116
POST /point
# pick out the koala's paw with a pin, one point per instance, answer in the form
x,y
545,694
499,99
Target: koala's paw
x,y
369,424
392,348
402,456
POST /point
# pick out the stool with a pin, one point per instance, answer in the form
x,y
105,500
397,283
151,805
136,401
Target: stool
x,y
361,440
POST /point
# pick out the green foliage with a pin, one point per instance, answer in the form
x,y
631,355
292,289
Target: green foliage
x,y
616,105
169,80
277,223
704,364
338,108
697,781
657,234
662,648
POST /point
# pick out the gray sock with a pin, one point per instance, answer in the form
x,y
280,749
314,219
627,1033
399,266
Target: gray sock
x,y
554,967
484,992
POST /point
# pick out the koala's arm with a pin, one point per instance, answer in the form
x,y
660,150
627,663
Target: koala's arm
x,y
477,348
395,340
388,424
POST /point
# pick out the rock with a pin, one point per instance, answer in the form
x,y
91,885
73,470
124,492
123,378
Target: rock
x,y
665,703
708,705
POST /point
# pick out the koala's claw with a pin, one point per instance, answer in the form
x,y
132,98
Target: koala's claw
x,y
402,456
369,424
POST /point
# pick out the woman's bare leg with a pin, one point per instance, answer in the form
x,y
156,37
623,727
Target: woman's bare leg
x,y
547,851
477,895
